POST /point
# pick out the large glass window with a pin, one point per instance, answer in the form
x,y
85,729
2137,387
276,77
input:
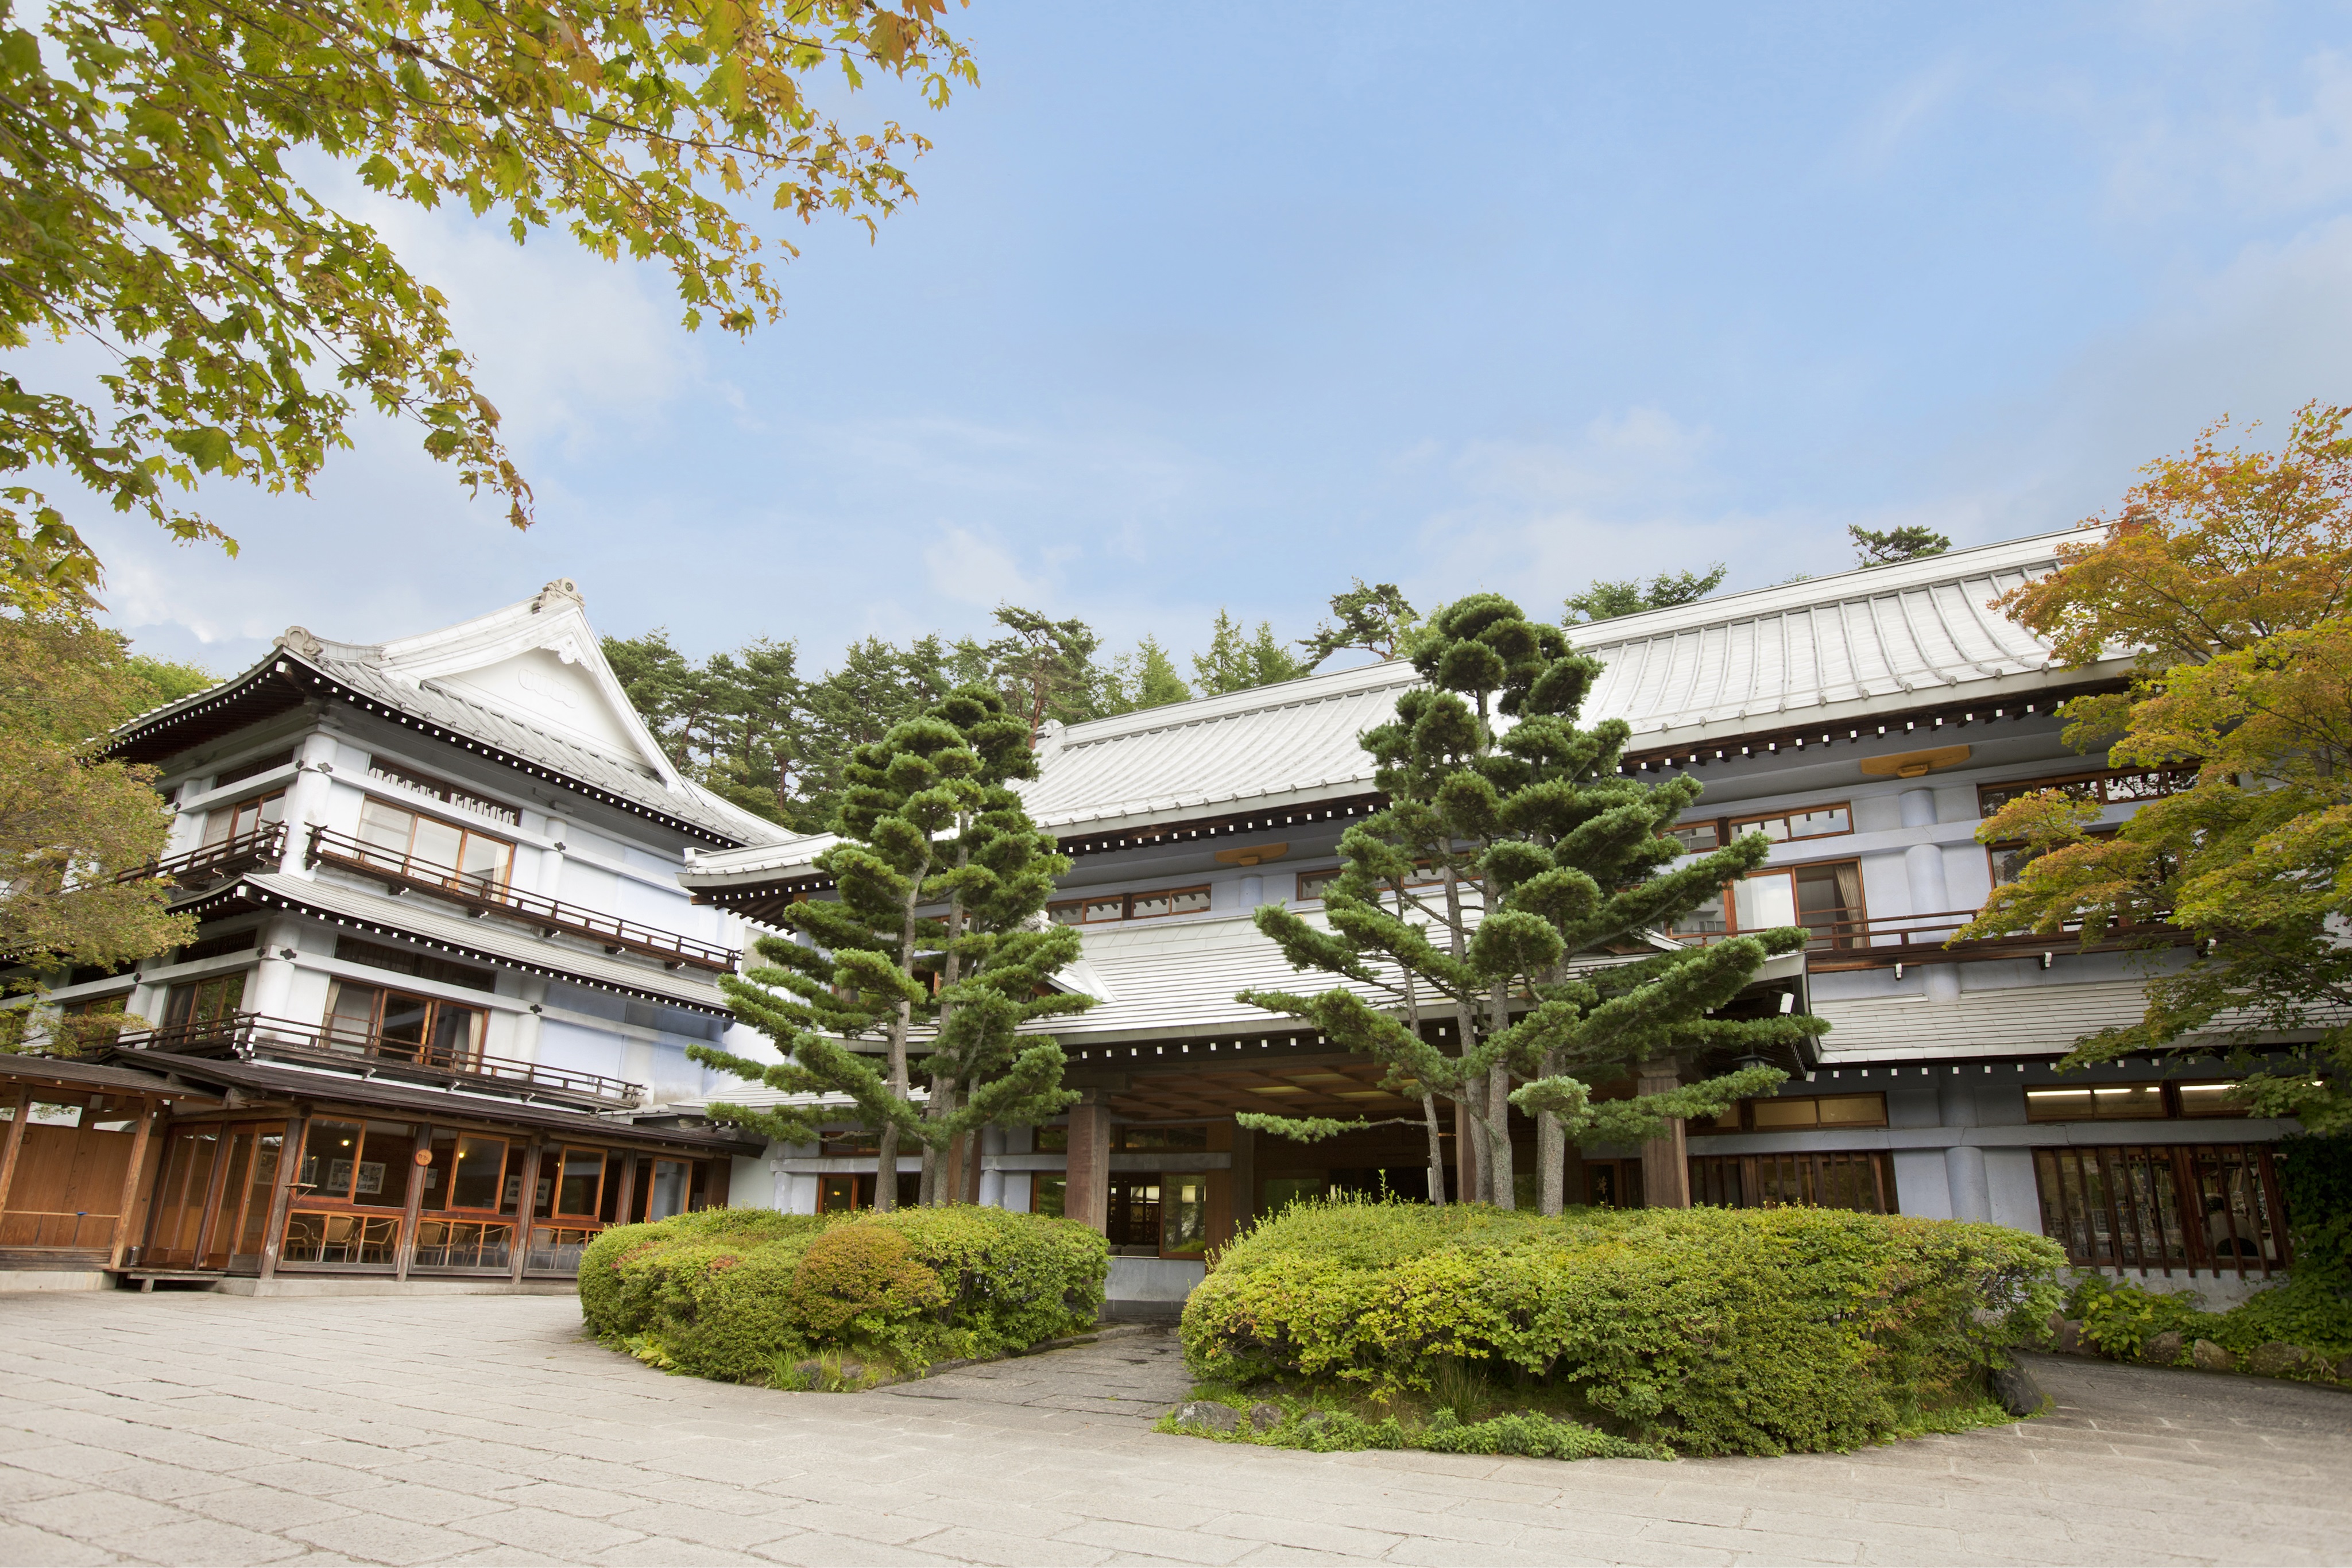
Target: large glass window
x,y
420,1029
1803,822
361,1163
1863,1180
213,998
2141,1206
429,849
1183,1215
1784,1113
226,823
468,1171
2115,787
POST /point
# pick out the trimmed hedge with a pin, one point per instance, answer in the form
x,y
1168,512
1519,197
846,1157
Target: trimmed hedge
x,y
740,1295
1710,1331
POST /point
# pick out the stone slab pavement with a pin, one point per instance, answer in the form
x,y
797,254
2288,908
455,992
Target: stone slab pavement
x,y
196,1428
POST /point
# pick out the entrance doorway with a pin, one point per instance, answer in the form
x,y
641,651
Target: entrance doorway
x,y
212,1206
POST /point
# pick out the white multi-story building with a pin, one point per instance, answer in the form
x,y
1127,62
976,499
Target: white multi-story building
x,y
458,907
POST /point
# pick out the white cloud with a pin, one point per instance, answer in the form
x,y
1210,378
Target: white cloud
x,y
969,570
2263,156
1901,112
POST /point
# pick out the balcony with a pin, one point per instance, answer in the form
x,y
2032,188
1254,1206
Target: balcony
x,y
209,865
483,896
1840,942
247,1036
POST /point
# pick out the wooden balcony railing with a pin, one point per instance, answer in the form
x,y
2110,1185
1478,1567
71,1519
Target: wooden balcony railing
x,y
484,896
201,867
248,1035
1842,943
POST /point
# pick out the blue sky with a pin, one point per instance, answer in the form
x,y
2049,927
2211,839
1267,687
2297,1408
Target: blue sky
x,y
1222,305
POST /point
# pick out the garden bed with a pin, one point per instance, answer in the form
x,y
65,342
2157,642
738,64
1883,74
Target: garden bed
x,y
1638,1333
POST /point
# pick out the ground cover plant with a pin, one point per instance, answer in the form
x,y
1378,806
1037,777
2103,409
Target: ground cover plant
x,y
788,1300
1691,1331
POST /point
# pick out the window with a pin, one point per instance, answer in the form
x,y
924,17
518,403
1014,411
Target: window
x,y
249,768
219,947
437,789
1107,907
578,1184
226,823
1804,822
2009,858
208,1001
1696,838
2132,1102
431,849
2212,1206
1183,1215
1161,1138
382,1021
1863,1181
1134,1213
2111,788
469,1171
361,1163
1789,1113
405,961
1049,1194
1311,883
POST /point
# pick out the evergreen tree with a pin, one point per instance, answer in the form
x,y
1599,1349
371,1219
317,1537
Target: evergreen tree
x,y
1506,852
1235,662
928,821
1044,667
1607,600
1884,547
1378,619
1144,678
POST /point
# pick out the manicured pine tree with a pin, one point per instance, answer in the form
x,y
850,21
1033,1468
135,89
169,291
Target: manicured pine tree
x,y
1506,853
927,821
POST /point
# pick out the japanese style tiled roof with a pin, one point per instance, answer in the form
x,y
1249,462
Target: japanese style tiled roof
x,y
1879,638
1870,640
416,680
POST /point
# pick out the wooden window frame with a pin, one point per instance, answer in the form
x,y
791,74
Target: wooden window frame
x,y
406,863
2172,1107
1325,878
2090,784
1126,905
229,817
1726,828
1746,1116
1743,1181
2151,1199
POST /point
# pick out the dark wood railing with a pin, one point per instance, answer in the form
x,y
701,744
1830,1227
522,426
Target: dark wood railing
x,y
1840,943
484,896
248,1035
209,863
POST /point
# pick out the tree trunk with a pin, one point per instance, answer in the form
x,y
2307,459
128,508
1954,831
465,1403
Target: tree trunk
x,y
942,1102
885,1151
1551,1153
1436,1150
1501,1177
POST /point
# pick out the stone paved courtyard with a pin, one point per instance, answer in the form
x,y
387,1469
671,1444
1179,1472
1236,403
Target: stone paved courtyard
x,y
207,1430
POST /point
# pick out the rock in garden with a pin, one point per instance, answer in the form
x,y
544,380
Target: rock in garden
x,y
2068,1338
2211,1357
2344,1370
1314,1421
1264,1415
2018,1392
2279,1359
2162,1349
1209,1415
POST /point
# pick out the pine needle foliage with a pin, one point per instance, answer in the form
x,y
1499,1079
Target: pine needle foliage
x,y
1507,850
930,823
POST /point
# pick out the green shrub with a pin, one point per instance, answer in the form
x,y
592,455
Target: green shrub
x,y
2120,1316
1710,1330
2316,1180
738,1294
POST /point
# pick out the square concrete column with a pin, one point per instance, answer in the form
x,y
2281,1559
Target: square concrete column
x,y
1666,1161
1086,1198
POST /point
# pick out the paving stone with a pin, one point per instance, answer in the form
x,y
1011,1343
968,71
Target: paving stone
x,y
23,1543
379,1537
201,1543
91,1512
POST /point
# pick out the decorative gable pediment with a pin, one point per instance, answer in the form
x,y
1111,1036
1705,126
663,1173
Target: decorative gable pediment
x,y
540,661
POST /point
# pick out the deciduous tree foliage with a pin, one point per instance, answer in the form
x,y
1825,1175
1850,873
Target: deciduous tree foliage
x,y
930,825
2229,571
1511,846
69,819
150,204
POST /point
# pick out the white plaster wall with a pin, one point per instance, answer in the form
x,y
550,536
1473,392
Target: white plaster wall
x,y
2009,1176
1921,1187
